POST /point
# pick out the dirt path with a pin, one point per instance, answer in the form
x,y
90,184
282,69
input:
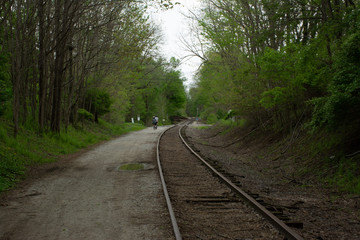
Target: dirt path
x,y
90,198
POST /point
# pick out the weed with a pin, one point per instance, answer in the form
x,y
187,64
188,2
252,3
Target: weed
x,y
346,176
132,167
202,127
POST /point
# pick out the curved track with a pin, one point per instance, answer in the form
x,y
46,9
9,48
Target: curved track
x,y
218,204
281,226
166,194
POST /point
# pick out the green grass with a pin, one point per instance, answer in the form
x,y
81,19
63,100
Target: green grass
x,y
132,167
324,156
29,149
346,175
229,125
202,127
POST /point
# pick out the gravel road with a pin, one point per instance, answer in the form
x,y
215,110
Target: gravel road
x,y
88,197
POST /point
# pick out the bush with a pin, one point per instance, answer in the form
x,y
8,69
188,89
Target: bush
x,y
230,123
98,102
343,102
84,115
212,118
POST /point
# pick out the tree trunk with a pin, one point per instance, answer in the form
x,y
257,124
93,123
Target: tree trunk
x,y
41,65
61,33
16,71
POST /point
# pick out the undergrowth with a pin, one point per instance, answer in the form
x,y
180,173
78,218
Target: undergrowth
x,y
323,156
326,157
29,149
228,125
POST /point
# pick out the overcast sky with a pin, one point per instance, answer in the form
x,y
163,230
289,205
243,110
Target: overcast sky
x,y
175,25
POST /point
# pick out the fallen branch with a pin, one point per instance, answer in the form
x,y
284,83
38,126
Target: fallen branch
x,y
352,154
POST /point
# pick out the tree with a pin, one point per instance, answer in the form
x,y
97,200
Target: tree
x,y
343,101
174,92
61,48
5,84
97,102
271,58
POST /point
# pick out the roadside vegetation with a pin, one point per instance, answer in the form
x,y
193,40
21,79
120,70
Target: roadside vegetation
x,y
290,69
74,73
29,149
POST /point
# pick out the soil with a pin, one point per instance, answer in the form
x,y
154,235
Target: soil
x,y
87,196
324,211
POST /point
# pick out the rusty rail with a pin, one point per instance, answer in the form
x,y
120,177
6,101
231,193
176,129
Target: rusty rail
x,y
276,222
168,202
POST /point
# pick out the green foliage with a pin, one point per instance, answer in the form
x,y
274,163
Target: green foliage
x,y
273,97
158,91
280,70
84,115
5,84
98,102
175,93
212,118
163,4
114,50
343,101
230,123
346,176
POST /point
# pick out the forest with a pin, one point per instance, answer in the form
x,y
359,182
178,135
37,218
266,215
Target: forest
x,y
64,61
289,66
280,61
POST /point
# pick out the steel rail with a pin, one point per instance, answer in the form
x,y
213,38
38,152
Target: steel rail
x,y
276,222
168,202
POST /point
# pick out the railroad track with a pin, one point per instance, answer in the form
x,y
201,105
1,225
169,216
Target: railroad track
x,y
206,204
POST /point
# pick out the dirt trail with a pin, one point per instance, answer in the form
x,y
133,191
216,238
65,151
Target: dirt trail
x,y
90,198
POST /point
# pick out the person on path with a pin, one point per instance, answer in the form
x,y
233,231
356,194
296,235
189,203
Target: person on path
x,y
155,121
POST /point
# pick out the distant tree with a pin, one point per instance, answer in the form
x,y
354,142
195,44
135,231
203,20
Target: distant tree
x,y
175,93
97,102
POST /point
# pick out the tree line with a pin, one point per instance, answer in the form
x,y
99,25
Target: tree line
x,y
65,60
279,62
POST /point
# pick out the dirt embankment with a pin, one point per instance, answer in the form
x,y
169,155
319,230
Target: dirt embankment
x,y
265,165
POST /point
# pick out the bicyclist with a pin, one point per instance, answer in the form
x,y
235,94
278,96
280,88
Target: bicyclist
x,y
155,121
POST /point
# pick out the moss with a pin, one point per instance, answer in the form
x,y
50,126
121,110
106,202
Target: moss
x,y
132,167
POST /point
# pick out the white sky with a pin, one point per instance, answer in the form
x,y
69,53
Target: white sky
x,y
175,25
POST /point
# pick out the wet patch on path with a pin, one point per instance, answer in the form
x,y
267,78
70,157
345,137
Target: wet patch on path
x,y
136,167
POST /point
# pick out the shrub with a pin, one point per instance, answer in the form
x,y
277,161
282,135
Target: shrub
x,y
85,115
343,100
212,118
